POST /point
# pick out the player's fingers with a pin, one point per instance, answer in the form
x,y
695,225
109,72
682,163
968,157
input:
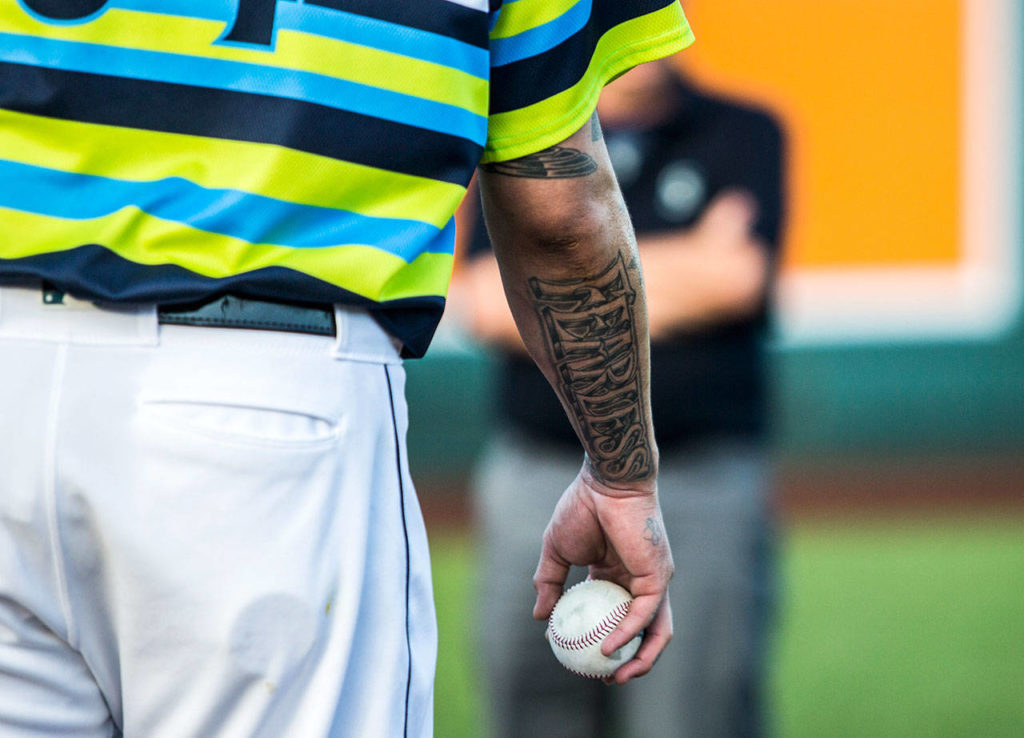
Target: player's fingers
x,y
641,612
656,638
548,580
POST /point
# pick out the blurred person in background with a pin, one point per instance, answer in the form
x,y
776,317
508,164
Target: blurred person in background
x,y
702,178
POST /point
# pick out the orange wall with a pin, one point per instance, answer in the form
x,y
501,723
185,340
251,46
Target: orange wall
x,y
870,93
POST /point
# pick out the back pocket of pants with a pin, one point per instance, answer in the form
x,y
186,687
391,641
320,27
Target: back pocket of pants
x,y
244,424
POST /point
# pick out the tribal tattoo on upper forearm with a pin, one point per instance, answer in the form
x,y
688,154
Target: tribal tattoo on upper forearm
x,y
590,331
556,162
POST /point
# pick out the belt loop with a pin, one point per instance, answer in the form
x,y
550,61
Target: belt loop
x,y
361,338
340,330
26,313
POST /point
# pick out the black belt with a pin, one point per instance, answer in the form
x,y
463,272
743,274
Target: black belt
x,y
230,311
236,312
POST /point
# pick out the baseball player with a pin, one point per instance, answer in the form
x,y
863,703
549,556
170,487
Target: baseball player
x,y
702,176
223,224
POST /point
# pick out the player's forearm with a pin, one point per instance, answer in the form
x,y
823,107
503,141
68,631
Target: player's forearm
x,y
572,278
587,329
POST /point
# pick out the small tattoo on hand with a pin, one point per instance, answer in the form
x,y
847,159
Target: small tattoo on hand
x,y
652,532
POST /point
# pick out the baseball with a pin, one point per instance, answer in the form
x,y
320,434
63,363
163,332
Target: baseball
x,y
582,618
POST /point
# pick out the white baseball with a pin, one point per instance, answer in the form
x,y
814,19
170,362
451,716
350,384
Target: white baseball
x,y
582,618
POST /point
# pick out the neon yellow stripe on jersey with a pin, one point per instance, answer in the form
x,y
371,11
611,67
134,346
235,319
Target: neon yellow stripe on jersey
x,y
196,37
516,18
261,169
143,239
527,130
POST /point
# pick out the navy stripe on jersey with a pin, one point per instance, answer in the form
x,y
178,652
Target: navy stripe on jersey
x,y
198,111
565,64
96,273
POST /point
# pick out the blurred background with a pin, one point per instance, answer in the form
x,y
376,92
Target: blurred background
x,y
895,365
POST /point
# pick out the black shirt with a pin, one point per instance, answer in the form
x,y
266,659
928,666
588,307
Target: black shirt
x,y
708,382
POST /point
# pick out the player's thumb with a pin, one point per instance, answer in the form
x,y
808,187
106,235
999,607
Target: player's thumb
x,y
548,581
641,612
730,216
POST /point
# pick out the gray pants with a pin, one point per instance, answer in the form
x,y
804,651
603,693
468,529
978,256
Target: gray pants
x,y
707,683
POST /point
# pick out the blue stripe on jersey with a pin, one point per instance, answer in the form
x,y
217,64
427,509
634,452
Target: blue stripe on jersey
x,y
542,38
338,25
243,77
252,218
378,34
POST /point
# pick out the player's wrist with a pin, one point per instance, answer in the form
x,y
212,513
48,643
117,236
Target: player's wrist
x,y
619,485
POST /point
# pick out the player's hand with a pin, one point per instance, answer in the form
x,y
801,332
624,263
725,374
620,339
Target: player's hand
x,y
620,535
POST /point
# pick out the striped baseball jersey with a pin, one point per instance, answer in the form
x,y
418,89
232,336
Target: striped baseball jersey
x,y
170,151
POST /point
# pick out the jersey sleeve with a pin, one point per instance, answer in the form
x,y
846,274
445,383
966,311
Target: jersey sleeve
x,y
550,59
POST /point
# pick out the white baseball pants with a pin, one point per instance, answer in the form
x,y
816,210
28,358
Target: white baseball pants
x,y
206,532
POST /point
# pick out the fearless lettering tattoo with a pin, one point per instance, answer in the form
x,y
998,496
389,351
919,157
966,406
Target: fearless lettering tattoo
x,y
591,336
652,532
558,162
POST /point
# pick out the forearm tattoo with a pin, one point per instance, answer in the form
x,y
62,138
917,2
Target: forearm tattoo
x,y
590,331
558,162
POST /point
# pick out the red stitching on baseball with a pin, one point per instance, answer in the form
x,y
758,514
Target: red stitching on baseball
x,y
592,636
586,674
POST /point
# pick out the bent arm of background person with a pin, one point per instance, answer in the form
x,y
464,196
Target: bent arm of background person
x,y
568,262
713,271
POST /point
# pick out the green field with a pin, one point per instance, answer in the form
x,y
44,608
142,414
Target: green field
x,y
892,629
